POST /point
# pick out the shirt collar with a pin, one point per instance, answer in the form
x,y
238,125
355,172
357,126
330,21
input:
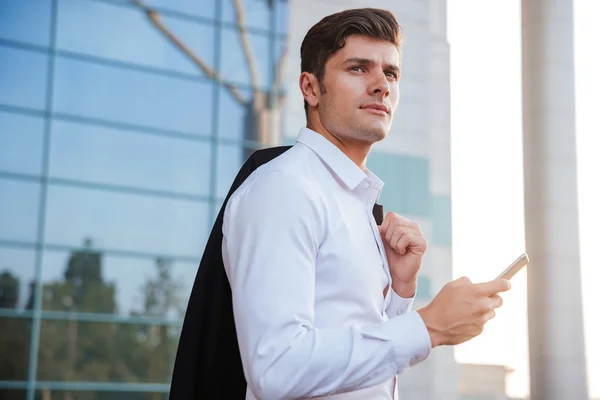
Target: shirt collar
x,y
350,174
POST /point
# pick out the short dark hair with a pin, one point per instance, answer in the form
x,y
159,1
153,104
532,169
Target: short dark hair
x,y
329,35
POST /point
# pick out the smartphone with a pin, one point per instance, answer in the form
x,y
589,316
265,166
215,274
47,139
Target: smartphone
x,y
515,267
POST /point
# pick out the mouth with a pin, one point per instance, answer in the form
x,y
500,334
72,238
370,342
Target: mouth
x,y
376,108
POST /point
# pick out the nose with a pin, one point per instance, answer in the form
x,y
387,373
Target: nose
x,y
380,86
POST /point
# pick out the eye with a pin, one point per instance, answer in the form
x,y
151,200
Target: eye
x,y
393,75
357,68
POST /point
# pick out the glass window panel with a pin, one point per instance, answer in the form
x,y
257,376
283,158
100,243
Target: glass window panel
x,y
282,16
13,394
87,280
81,351
17,269
216,209
233,64
290,122
279,65
230,160
288,129
441,213
21,140
126,34
23,78
424,287
135,97
14,348
45,393
26,21
406,180
19,204
204,8
257,13
392,169
278,90
417,186
233,114
134,159
124,221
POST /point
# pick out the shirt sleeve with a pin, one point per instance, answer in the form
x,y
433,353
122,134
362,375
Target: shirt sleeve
x,y
272,229
399,305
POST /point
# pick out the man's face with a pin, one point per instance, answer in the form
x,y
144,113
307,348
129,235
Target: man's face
x,y
361,90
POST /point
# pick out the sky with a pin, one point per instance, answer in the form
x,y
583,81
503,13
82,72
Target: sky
x,y
487,171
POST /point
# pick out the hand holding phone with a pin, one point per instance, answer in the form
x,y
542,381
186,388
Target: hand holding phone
x,y
515,267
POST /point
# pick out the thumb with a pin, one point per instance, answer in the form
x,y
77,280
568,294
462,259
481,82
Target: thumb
x,y
386,245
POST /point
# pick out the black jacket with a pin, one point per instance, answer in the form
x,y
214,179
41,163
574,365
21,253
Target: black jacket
x,y
208,363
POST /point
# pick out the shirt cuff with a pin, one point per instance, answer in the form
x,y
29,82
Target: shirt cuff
x,y
413,345
399,305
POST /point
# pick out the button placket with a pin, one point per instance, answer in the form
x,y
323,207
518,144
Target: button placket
x,y
375,230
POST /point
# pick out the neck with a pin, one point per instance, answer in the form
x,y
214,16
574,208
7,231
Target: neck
x,y
355,150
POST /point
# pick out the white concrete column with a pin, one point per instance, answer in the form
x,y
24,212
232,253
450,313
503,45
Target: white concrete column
x,y
556,340
444,367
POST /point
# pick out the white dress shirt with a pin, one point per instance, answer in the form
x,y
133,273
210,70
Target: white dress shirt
x,y
301,250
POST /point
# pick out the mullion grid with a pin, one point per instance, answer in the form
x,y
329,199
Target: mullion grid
x,y
37,308
38,314
214,161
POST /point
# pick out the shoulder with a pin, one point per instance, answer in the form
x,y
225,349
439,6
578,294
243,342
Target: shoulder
x,y
289,173
262,156
270,184
280,190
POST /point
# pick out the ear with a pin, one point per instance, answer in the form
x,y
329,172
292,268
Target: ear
x,y
309,86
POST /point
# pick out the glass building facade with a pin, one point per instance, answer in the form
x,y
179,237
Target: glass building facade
x,y
118,143
122,126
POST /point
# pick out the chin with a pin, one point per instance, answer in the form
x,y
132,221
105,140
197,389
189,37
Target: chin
x,y
374,133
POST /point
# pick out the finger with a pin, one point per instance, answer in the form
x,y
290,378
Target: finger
x,y
413,243
492,287
403,243
395,235
388,218
483,305
384,227
496,301
415,228
476,328
483,319
392,220
463,280
393,216
390,232
459,282
489,315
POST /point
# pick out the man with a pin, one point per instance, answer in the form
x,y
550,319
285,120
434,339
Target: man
x,y
321,294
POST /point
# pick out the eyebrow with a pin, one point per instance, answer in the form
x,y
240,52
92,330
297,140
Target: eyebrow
x,y
367,62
